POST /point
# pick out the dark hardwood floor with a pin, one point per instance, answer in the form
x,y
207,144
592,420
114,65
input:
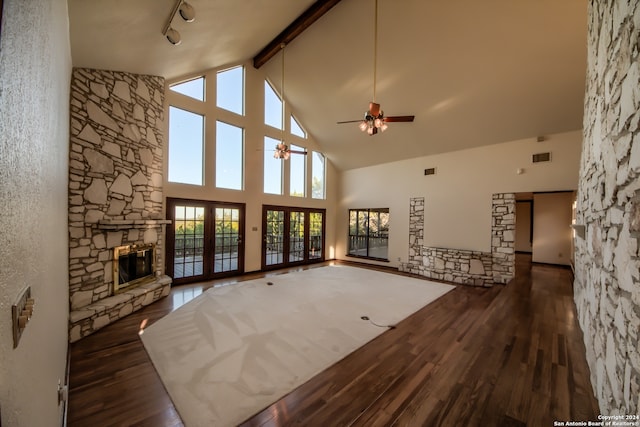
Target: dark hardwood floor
x,y
507,356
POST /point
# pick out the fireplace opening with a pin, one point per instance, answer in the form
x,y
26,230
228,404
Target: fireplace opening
x,y
133,265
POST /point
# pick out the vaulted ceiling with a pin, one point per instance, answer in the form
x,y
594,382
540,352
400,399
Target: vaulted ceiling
x,y
472,72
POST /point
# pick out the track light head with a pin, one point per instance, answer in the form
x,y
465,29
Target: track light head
x,y
173,36
187,12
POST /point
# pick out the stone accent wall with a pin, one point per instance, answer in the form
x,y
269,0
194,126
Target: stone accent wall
x,y
607,259
458,266
503,237
462,266
115,190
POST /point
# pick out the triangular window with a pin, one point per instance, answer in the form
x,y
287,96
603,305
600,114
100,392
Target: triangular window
x,y
296,129
192,88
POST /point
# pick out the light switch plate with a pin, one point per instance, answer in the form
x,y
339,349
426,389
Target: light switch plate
x,y
21,314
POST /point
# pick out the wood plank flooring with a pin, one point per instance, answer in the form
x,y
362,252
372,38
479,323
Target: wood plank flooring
x,y
507,356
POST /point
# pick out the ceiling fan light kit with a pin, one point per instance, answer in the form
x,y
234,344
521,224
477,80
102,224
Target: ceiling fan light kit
x,y
283,151
187,12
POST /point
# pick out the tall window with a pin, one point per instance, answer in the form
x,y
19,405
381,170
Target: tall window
x,y
297,172
229,156
369,233
318,169
186,145
207,143
272,168
230,90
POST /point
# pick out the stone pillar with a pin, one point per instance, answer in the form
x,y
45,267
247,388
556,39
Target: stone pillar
x,y
503,237
416,237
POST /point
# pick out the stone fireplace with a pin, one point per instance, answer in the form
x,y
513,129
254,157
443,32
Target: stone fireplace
x,y
115,195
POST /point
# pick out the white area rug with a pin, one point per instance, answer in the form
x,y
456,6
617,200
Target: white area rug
x,y
234,350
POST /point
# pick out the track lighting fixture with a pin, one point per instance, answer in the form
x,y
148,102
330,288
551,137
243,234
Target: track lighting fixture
x,y
173,36
187,12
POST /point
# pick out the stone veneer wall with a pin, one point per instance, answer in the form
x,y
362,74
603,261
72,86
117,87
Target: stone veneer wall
x,y
462,266
607,257
115,190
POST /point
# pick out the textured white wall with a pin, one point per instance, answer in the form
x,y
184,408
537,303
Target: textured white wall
x,y
35,66
458,197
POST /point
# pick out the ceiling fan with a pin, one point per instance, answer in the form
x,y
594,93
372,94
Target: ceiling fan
x,y
374,118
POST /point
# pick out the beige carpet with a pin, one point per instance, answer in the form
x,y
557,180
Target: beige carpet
x,y
234,350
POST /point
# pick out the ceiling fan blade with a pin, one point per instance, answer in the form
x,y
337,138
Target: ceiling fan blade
x,y
392,119
349,121
298,152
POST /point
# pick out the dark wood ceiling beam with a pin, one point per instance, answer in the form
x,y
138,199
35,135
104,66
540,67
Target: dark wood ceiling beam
x,y
301,23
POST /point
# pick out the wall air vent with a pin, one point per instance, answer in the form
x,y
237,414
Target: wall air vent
x,y
430,171
541,157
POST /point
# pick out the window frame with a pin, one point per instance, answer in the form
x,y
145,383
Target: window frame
x,y
367,235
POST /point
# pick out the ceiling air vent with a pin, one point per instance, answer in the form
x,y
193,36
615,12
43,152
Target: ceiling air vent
x,y
541,157
430,171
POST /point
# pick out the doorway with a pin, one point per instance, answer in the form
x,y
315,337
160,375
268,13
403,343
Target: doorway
x,y
543,226
292,236
205,240
524,223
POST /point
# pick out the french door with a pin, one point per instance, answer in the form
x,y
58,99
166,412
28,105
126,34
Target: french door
x,y
205,240
292,236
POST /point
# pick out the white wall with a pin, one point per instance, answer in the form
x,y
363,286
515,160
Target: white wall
x,y
552,228
35,66
252,196
458,197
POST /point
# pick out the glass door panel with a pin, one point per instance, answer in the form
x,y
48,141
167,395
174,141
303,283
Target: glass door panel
x,y
189,237
273,245
296,236
316,234
227,240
